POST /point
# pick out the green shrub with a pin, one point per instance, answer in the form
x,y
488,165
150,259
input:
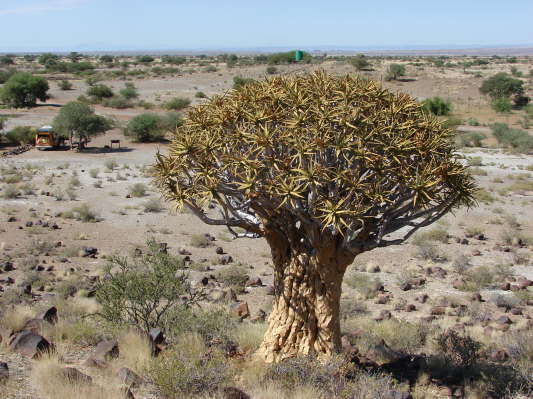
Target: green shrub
x,y
117,102
435,234
501,85
360,62
5,74
395,71
437,106
502,105
478,278
21,135
99,92
200,94
65,85
94,173
190,370
271,70
452,123
471,139
145,59
239,81
474,161
177,103
514,138
200,241
129,91
147,127
141,291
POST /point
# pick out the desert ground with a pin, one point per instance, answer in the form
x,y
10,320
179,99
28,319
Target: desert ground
x,y
471,272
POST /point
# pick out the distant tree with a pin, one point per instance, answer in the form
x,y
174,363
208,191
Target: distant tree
x,y
360,62
6,60
395,71
74,56
129,92
5,74
145,59
78,120
47,59
271,70
23,89
502,85
167,59
29,57
107,59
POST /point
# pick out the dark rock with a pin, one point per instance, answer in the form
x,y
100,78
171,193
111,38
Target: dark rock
x,y
11,219
480,237
219,251
4,372
29,224
29,344
405,286
49,315
438,310
254,282
235,393
242,310
464,241
422,298
10,281
106,350
410,308
89,251
128,377
74,376
503,320
505,286
516,311
54,226
226,259
27,289
476,297
204,281
7,266
259,317
383,315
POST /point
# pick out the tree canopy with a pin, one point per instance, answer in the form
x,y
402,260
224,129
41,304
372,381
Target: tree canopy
x,y
78,120
340,155
501,85
22,89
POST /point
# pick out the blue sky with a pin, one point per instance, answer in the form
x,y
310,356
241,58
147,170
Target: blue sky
x,y
65,25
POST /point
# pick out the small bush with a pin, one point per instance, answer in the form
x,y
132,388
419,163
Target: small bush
x,y
190,370
65,85
514,138
177,103
365,285
10,191
99,92
21,135
200,241
437,106
81,213
234,277
478,278
138,190
435,234
153,205
129,92
142,291
395,71
239,81
200,94
271,70
94,173
117,102
462,351
474,161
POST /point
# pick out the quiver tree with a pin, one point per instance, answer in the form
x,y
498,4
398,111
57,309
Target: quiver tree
x,y
324,168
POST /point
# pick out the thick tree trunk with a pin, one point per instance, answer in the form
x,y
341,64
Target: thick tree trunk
x,y
305,314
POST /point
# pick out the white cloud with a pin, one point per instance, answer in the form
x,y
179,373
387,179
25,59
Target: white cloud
x,y
41,6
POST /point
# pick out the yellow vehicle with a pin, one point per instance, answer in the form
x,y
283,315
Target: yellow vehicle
x,y
45,138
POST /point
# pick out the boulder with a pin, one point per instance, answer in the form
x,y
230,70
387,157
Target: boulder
x,y
29,344
438,310
49,315
225,260
405,286
242,310
219,251
106,350
128,377
254,282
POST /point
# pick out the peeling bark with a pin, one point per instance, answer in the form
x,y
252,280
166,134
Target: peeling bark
x,y
305,315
